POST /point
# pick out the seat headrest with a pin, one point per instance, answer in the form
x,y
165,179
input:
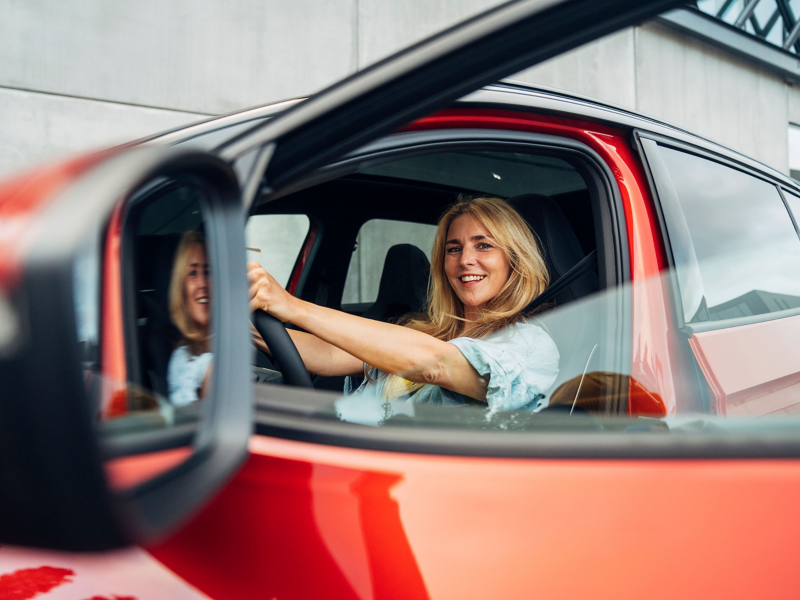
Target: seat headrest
x,y
546,219
559,244
404,283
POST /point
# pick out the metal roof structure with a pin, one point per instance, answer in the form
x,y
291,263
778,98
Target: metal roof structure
x,y
767,31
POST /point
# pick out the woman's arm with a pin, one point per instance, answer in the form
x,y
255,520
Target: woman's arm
x,y
401,351
320,357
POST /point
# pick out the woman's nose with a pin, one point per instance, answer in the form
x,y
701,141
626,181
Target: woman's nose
x,y
467,257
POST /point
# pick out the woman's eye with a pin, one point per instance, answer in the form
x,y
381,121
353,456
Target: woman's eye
x,y
193,273
484,246
453,249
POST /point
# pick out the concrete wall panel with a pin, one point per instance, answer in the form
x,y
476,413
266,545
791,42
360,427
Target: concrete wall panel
x,y
386,27
37,127
604,69
205,56
733,101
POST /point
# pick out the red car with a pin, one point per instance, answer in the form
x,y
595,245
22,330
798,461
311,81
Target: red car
x,y
662,462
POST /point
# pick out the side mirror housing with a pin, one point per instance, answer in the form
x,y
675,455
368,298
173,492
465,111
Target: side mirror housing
x,y
77,474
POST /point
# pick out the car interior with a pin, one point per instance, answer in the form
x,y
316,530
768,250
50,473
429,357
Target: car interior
x,y
364,239
378,222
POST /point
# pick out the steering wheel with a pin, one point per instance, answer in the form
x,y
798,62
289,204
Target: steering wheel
x,y
283,349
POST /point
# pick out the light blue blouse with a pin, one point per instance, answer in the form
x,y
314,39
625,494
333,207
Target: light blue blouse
x,y
520,363
185,375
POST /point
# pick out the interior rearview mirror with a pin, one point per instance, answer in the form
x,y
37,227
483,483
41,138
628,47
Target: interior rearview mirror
x,y
126,399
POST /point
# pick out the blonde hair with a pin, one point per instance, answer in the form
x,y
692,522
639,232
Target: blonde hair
x,y
528,278
195,335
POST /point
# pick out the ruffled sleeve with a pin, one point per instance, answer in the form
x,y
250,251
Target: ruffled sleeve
x,y
520,362
185,374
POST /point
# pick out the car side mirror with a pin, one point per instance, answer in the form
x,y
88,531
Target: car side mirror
x,y
125,397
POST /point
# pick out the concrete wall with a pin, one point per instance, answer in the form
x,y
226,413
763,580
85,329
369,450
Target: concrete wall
x,y
674,77
77,75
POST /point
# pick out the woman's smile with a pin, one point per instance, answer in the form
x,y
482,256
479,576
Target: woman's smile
x,y
476,267
197,286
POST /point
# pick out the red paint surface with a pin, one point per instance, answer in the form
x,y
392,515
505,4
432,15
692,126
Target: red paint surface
x,y
300,263
21,201
29,583
126,472
115,394
461,528
752,369
111,598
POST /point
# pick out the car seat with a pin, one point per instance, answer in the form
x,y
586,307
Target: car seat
x,y
576,331
404,284
403,289
158,335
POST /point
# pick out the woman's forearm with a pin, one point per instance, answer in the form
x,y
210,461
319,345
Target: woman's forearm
x,y
320,357
410,354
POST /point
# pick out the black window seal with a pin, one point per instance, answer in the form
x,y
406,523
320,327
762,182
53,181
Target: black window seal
x,y
782,191
709,442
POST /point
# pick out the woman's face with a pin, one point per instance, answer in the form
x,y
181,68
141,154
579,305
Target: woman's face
x,y
475,267
196,286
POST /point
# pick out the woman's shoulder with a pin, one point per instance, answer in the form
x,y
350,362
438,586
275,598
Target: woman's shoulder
x,y
526,332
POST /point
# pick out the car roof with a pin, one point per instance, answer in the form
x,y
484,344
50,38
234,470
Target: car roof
x,y
518,93
577,105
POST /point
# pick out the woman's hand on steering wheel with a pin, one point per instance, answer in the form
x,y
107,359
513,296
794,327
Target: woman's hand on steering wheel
x,y
268,295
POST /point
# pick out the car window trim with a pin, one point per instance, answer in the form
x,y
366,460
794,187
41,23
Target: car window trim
x,y
794,217
288,414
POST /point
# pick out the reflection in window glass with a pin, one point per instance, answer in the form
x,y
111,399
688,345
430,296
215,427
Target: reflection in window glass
x,y
274,241
746,245
504,174
794,151
372,245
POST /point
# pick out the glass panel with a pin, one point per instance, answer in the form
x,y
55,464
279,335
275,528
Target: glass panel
x,y
165,369
794,151
275,241
374,240
504,174
744,240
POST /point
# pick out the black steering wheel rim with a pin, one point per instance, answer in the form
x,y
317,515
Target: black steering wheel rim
x,y
283,350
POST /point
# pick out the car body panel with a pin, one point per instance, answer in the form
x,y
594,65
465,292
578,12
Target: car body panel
x,y
306,520
752,369
126,574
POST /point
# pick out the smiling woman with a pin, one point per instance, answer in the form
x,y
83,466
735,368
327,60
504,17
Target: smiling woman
x,y
189,295
473,344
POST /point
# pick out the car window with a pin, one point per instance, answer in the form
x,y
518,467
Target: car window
x,y
744,245
274,241
374,240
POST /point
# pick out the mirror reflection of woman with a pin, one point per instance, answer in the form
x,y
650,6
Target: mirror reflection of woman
x,y
474,342
189,367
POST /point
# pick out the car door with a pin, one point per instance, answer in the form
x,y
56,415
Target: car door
x,y
735,254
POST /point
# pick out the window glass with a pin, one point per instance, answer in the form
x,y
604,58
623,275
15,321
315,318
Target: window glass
x,y
794,151
372,244
274,241
503,174
746,246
